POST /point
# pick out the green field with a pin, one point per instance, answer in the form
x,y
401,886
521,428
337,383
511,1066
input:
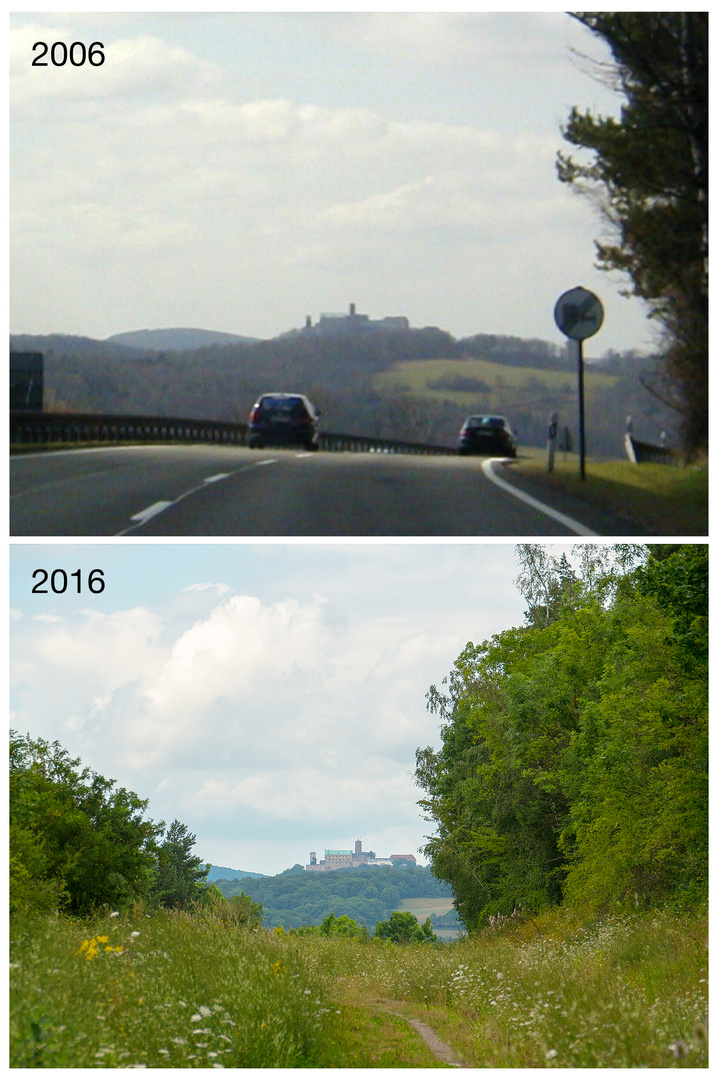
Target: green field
x,y
423,906
198,989
523,384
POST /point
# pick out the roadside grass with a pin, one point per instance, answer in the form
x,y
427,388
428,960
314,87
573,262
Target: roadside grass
x,y
198,990
662,500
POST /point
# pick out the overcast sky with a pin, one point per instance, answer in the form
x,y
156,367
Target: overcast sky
x,y
271,697
240,171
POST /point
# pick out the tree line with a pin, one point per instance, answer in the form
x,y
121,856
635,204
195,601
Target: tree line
x,y
573,766
78,842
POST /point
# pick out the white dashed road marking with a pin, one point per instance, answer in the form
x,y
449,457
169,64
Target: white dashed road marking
x,y
158,507
150,512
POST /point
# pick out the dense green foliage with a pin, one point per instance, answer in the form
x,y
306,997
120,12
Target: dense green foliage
x,y
574,759
73,838
178,871
649,173
333,927
365,895
403,928
77,842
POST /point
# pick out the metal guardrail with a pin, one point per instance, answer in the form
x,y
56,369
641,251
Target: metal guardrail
x,y
363,444
33,428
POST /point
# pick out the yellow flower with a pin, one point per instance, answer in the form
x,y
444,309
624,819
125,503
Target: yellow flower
x,y
103,939
89,948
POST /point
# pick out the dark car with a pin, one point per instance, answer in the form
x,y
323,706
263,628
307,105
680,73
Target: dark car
x,y
284,420
487,435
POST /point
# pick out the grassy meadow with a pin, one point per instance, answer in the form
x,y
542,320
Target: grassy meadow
x,y
418,377
198,990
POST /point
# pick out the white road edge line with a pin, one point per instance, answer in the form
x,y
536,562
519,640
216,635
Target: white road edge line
x,y
563,519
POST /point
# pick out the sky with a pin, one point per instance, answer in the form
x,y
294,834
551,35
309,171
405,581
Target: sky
x,y
240,171
271,697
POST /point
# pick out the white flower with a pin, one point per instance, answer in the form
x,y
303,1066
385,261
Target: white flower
x,y
135,933
114,914
551,1054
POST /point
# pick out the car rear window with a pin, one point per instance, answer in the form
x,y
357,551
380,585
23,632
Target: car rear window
x,y
282,404
485,421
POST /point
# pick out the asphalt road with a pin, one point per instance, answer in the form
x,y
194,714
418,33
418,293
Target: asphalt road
x,y
209,491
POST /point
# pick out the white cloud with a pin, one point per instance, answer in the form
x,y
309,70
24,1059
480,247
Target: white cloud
x,y
268,721
176,185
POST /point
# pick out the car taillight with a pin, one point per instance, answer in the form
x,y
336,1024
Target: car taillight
x,y
254,415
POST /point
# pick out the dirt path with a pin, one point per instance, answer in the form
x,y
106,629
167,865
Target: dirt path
x,y
441,1050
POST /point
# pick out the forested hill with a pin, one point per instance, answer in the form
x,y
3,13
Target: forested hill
x,y
307,897
218,872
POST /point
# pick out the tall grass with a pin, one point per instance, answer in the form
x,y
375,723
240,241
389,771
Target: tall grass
x,y
629,991
199,990
168,990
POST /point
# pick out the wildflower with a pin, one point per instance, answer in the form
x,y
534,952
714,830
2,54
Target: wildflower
x,y
102,938
679,1049
114,914
135,933
551,1054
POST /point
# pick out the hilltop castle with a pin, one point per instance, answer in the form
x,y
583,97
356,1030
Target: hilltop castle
x,y
332,325
339,859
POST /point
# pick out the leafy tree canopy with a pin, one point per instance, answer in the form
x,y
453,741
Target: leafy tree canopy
x,y
73,835
403,928
573,764
78,842
179,875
